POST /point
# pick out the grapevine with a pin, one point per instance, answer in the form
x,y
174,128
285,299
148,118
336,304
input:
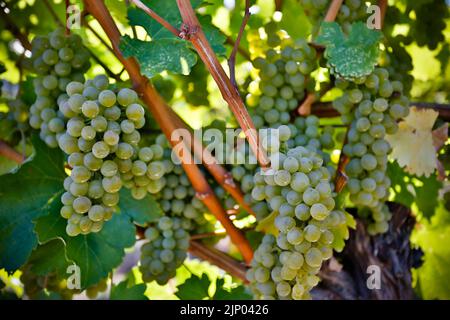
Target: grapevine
x,y
119,179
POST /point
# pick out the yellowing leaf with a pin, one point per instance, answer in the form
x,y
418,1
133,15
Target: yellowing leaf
x,y
412,145
267,225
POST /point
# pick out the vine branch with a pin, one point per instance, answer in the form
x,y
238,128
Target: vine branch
x,y
382,4
157,17
333,10
53,13
193,32
8,152
218,258
168,124
232,59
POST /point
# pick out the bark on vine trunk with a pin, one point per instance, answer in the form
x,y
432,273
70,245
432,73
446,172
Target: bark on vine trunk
x,y
345,277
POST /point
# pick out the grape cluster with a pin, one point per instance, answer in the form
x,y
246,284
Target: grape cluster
x,y
93,291
18,112
166,249
101,140
297,188
349,12
57,60
38,286
168,239
371,108
284,79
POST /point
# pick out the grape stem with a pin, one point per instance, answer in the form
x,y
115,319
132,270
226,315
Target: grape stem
x,y
192,31
244,53
278,5
218,258
333,10
53,13
67,18
305,107
232,58
85,23
157,17
168,123
8,152
383,5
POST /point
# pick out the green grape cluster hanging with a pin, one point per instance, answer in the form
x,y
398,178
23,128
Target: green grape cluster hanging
x,y
371,109
167,240
298,189
57,60
101,140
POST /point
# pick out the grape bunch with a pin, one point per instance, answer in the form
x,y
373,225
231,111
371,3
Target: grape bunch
x,y
14,122
39,286
371,109
57,60
166,249
349,12
284,79
168,239
101,140
297,188
93,291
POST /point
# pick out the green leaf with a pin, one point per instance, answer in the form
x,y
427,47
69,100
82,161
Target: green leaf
x,y
409,189
49,257
350,57
427,195
24,196
97,254
402,190
168,10
157,56
215,38
236,293
294,20
123,292
431,279
140,211
194,288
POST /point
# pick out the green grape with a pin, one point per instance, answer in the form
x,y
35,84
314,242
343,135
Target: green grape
x,y
90,109
107,98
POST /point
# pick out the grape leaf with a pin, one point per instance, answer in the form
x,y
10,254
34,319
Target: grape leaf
x,y
295,20
97,253
350,57
157,56
25,195
433,238
123,292
412,145
409,189
236,293
427,196
49,257
402,190
140,211
168,10
194,288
